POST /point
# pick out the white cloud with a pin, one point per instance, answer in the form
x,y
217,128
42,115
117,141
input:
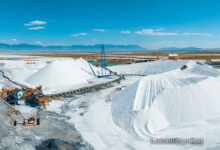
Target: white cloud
x,y
161,44
99,30
36,22
35,28
198,34
38,42
155,32
11,41
79,34
125,32
14,40
160,29
95,40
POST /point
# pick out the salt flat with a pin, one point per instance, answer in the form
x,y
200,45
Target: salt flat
x,y
167,102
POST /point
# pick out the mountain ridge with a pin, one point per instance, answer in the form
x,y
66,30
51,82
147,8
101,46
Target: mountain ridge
x,y
71,48
31,48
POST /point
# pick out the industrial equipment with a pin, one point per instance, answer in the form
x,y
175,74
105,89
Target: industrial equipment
x,y
105,68
32,97
33,120
184,67
103,60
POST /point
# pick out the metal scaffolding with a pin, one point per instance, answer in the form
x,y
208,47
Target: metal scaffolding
x,y
103,60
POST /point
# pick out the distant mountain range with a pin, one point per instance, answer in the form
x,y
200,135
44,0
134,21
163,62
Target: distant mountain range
x,y
28,48
180,49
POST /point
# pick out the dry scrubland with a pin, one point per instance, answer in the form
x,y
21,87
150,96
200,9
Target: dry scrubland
x,y
129,57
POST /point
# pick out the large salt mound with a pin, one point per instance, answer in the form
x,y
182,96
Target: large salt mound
x,y
172,100
61,73
147,68
5,120
200,68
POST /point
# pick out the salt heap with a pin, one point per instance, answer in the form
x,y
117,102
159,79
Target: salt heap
x,y
171,100
62,73
147,68
6,118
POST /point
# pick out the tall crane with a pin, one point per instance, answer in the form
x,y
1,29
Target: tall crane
x,y
103,59
102,64
104,68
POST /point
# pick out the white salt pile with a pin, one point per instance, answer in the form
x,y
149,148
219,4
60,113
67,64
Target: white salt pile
x,y
171,100
4,115
62,73
147,68
199,68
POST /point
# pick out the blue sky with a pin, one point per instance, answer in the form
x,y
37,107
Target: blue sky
x,y
149,23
